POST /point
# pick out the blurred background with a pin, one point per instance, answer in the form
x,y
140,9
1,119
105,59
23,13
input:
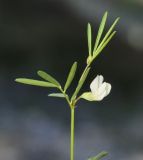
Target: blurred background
x,y
50,35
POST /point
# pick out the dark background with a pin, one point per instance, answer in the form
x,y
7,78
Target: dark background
x,y
50,35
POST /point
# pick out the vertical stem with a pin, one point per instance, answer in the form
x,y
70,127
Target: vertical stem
x,y
72,135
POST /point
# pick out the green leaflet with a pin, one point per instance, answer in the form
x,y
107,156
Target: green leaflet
x,y
71,76
99,156
34,82
47,77
99,49
80,83
59,95
89,37
109,31
100,31
106,38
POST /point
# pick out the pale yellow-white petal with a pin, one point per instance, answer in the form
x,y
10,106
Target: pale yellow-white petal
x,y
103,91
100,80
102,88
96,83
99,90
108,88
101,96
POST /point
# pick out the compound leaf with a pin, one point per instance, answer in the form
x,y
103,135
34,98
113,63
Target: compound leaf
x,y
104,44
109,31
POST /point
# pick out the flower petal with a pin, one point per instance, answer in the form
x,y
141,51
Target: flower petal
x,y
103,91
99,90
100,80
96,83
101,96
102,88
108,88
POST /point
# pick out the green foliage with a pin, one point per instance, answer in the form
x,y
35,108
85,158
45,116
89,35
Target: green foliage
x,y
109,31
100,31
34,82
99,156
50,81
49,78
100,44
59,95
104,45
70,76
89,38
93,53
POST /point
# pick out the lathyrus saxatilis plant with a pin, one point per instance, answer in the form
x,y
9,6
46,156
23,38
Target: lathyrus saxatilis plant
x,y
99,89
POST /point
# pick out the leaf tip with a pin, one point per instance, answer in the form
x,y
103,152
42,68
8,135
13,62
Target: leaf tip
x,y
88,24
17,80
104,153
20,80
118,18
75,63
39,72
106,13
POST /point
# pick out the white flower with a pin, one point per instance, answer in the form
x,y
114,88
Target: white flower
x,y
99,89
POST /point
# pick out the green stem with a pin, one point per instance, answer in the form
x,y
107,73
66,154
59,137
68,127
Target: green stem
x,y
72,134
